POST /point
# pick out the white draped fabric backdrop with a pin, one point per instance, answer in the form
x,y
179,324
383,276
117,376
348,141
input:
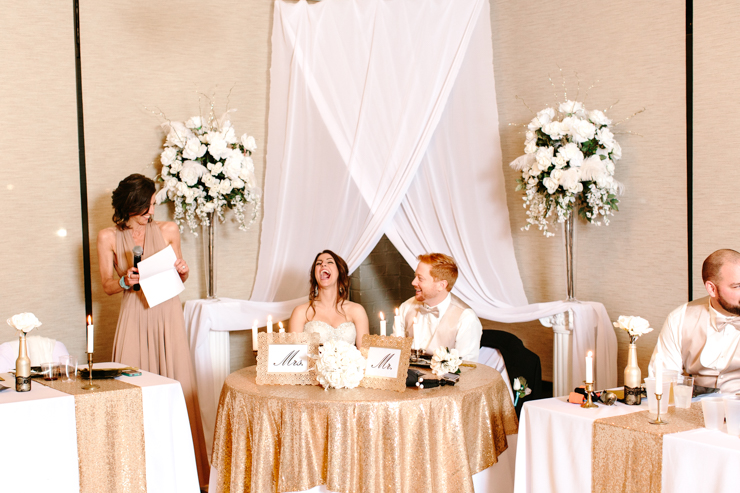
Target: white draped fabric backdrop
x,y
383,120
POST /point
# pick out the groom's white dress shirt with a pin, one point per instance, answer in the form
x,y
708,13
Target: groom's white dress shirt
x,y
468,327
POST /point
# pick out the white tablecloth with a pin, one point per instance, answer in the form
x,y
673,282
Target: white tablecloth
x,y
40,425
554,451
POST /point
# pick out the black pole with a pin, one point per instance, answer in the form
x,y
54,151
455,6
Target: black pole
x,y
690,139
83,168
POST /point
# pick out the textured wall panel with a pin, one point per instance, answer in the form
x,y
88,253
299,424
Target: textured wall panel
x,y
716,118
39,178
142,55
632,52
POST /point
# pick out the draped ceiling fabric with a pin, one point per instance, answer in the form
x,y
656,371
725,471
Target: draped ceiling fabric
x,y
383,120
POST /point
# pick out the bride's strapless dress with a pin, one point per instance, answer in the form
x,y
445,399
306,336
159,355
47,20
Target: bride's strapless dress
x,y
345,332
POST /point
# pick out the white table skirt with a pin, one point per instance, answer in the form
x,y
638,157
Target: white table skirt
x,y
499,478
41,423
554,451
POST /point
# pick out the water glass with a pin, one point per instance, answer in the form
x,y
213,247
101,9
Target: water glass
x,y
732,412
50,371
714,412
682,391
68,367
652,401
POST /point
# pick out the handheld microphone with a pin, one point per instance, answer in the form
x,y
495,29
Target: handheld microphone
x,y
138,252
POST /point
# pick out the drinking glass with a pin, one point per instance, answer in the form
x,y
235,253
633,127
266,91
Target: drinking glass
x,y
714,412
68,367
652,401
732,412
50,371
682,390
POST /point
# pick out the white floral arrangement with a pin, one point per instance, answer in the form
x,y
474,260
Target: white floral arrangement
x,y
521,389
568,162
635,327
205,169
445,360
339,365
24,322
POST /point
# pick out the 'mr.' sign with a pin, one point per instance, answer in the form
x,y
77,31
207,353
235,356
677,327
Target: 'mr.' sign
x,y
382,362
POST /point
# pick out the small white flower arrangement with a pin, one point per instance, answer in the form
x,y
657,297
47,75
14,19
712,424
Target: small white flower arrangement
x,y
24,322
445,360
339,365
635,327
521,389
568,163
205,169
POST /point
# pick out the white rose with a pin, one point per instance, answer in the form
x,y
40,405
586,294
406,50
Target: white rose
x,y
559,161
606,137
609,166
191,172
194,122
177,133
571,108
616,153
171,183
24,321
581,130
176,166
545,116
556,175
218,147
517,384
550,184
238,183
543,156
225,186
555,129
530,137
193,149
530,148
249,143
598,118
229,135
168,156
216,167
571,153
181,189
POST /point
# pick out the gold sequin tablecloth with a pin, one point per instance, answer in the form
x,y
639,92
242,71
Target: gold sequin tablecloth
x,y
627,452
293,438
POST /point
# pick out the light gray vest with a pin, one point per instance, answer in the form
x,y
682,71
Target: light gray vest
x,y
693,338
446,332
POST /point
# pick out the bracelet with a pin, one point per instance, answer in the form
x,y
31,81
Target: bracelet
x,y
122,283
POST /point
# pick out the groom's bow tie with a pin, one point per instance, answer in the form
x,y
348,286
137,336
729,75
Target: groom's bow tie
x,y
425,310
723,322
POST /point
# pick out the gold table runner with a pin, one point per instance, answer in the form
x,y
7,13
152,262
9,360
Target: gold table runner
x,y
293,438
110,435
627,451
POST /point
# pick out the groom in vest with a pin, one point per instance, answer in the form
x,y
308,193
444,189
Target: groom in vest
x,y
442,319
700,338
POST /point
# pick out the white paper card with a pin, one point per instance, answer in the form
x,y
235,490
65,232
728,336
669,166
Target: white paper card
x,y
382,362
158,277
287,358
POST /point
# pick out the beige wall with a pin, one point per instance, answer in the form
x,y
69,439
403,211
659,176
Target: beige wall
x,y
41,272
138,56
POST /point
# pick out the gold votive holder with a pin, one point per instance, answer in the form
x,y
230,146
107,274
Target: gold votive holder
x,y
589,403
90,385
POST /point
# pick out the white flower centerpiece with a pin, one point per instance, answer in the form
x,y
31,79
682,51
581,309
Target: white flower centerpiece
x,y
339,365
205,169
24,322
636,327
445,360
568,162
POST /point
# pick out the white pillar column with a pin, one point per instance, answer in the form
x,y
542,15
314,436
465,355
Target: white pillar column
x,y
562,326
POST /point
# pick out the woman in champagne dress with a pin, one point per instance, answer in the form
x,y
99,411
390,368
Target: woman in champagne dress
x,y
150,338
328,311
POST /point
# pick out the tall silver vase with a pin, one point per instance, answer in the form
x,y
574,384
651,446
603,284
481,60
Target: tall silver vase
x,y
569,227
209,249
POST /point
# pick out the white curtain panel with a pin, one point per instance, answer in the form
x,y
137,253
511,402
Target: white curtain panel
x,y
383,119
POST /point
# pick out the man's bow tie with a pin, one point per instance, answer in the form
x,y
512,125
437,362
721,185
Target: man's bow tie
x,y
723,322
425,310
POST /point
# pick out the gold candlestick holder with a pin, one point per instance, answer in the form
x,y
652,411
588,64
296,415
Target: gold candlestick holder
x,y
589,404
657,420
90,385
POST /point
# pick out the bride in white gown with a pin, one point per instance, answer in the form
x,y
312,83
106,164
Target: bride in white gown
x,y
328,311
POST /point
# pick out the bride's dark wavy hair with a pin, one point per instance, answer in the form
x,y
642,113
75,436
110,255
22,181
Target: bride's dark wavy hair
x,y
132,197
342,282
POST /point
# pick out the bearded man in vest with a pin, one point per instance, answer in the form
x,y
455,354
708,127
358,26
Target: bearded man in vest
x,y
442,319
700,338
